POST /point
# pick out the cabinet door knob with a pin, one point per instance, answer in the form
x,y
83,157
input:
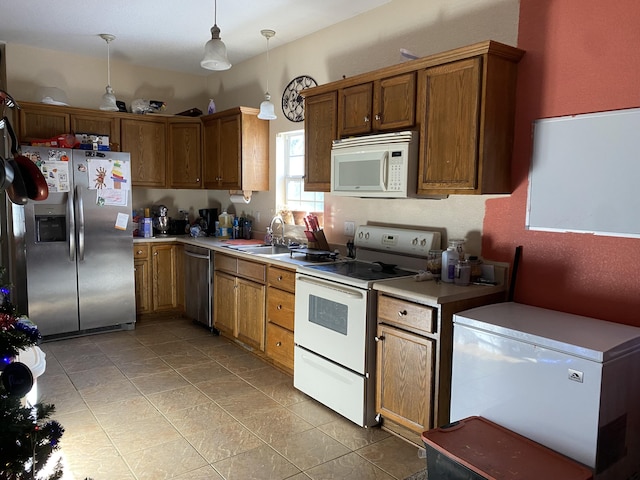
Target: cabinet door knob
x,y
278,344
366,119
378,116
279,307
279,278
402,313
139,252
379,339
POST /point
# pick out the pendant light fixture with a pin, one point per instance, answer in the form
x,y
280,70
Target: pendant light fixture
x,y
267,110
108,99
215,51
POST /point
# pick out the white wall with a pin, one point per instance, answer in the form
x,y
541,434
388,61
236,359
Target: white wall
x,y
358,45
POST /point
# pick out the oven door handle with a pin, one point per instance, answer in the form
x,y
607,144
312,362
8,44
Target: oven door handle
x,y
348,293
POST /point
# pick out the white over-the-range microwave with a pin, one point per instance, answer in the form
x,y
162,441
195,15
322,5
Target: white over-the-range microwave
x,y
382,165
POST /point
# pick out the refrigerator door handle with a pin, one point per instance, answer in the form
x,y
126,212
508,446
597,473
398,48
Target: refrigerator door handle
x,y
80,212
71,227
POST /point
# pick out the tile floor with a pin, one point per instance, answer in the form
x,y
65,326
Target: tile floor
x,y
170,400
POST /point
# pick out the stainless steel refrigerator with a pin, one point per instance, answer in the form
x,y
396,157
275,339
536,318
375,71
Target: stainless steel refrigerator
x,y
78,243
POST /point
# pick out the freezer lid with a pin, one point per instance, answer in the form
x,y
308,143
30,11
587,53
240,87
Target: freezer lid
x,y
585,337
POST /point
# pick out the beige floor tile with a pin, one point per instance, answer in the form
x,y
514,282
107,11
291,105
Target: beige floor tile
x,y
121,413
203,372
208,343
164,461
351,435
78,427
178,399
266,376
120,342
284,393
136,354
309,448
395,456
226,351
242,363
159,382
113,392
245,405
98,376
223,440
144,367
351,466
197,418
100,463
204,473
139,435
314,412
225,385
189,358
172,347
154,336
276,424
262,463
85,362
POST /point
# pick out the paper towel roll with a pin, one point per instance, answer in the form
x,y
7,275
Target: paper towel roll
x,y
239,198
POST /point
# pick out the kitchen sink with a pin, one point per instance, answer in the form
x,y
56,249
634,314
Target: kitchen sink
x,y
263,249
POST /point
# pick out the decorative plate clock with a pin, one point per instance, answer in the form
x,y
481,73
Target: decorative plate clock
x,y
292,101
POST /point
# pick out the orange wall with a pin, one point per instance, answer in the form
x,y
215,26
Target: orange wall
x,y
581,57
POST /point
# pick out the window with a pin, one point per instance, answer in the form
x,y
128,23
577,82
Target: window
x,y
291,160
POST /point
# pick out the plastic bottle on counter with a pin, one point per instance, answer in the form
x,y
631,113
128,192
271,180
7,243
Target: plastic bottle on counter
x,y
236,229
225,225
450,258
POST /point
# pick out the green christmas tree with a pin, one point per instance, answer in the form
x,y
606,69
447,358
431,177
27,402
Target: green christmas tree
x,y
27,436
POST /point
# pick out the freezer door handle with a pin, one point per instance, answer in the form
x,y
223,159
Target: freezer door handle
x,y
80,211
71,228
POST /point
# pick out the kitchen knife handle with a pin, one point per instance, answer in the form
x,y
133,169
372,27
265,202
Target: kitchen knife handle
x,y
80,212
71,228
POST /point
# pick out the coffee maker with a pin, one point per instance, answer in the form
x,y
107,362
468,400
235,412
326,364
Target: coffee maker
x,y
208,218
161,221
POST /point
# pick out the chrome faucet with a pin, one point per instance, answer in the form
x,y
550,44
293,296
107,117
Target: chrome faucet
x,y
277,240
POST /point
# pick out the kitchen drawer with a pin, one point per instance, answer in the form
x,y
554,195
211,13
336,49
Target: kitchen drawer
x,y
282,278
140,250
403,313
280,307
252,270
279,345
226,263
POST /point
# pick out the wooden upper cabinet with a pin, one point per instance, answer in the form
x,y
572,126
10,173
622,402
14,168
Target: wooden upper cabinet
x,y
236,150
37,122
98,124
320,129
354,109
185,153
383,104
467,110
145,139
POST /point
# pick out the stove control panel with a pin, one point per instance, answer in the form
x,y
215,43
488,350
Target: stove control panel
x,y
397,240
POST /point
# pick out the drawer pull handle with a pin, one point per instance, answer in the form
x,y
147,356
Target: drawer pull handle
x,y
402,313
379,339
279,278
279,307
278,344
139,252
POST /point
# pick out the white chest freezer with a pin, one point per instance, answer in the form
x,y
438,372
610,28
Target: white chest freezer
x,y
569,382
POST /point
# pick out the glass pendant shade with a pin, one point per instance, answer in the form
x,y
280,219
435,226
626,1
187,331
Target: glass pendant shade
x,y
109,101
215,52
267,110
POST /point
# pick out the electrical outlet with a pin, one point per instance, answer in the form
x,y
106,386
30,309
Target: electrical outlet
x,y
349,228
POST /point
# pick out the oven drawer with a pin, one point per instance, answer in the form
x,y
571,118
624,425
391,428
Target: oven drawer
x,y
403,313
279,345
280,307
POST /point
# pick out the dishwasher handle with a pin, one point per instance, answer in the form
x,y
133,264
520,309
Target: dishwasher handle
x,y
206,256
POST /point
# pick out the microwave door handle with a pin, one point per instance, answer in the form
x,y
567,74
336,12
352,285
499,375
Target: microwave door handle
x,y
385,170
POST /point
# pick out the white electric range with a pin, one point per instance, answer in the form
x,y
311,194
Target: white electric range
x,y
335,317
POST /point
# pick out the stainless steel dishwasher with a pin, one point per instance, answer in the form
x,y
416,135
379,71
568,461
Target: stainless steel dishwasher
x,y
198,283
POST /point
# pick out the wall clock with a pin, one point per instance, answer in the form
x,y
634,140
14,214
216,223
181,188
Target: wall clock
x,y
292,101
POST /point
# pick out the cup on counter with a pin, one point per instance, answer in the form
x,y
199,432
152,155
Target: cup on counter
x,y
434,263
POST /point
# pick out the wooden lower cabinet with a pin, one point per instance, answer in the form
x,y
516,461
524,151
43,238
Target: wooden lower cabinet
x,y
280,316
239,299
159,277
405,370
414,352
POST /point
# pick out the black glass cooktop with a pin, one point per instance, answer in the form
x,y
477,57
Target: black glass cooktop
x,y
362,270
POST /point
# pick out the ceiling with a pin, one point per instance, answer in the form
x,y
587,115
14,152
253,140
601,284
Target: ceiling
x,y
168,35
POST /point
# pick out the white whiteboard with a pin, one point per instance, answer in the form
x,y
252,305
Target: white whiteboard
x,y
585,174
